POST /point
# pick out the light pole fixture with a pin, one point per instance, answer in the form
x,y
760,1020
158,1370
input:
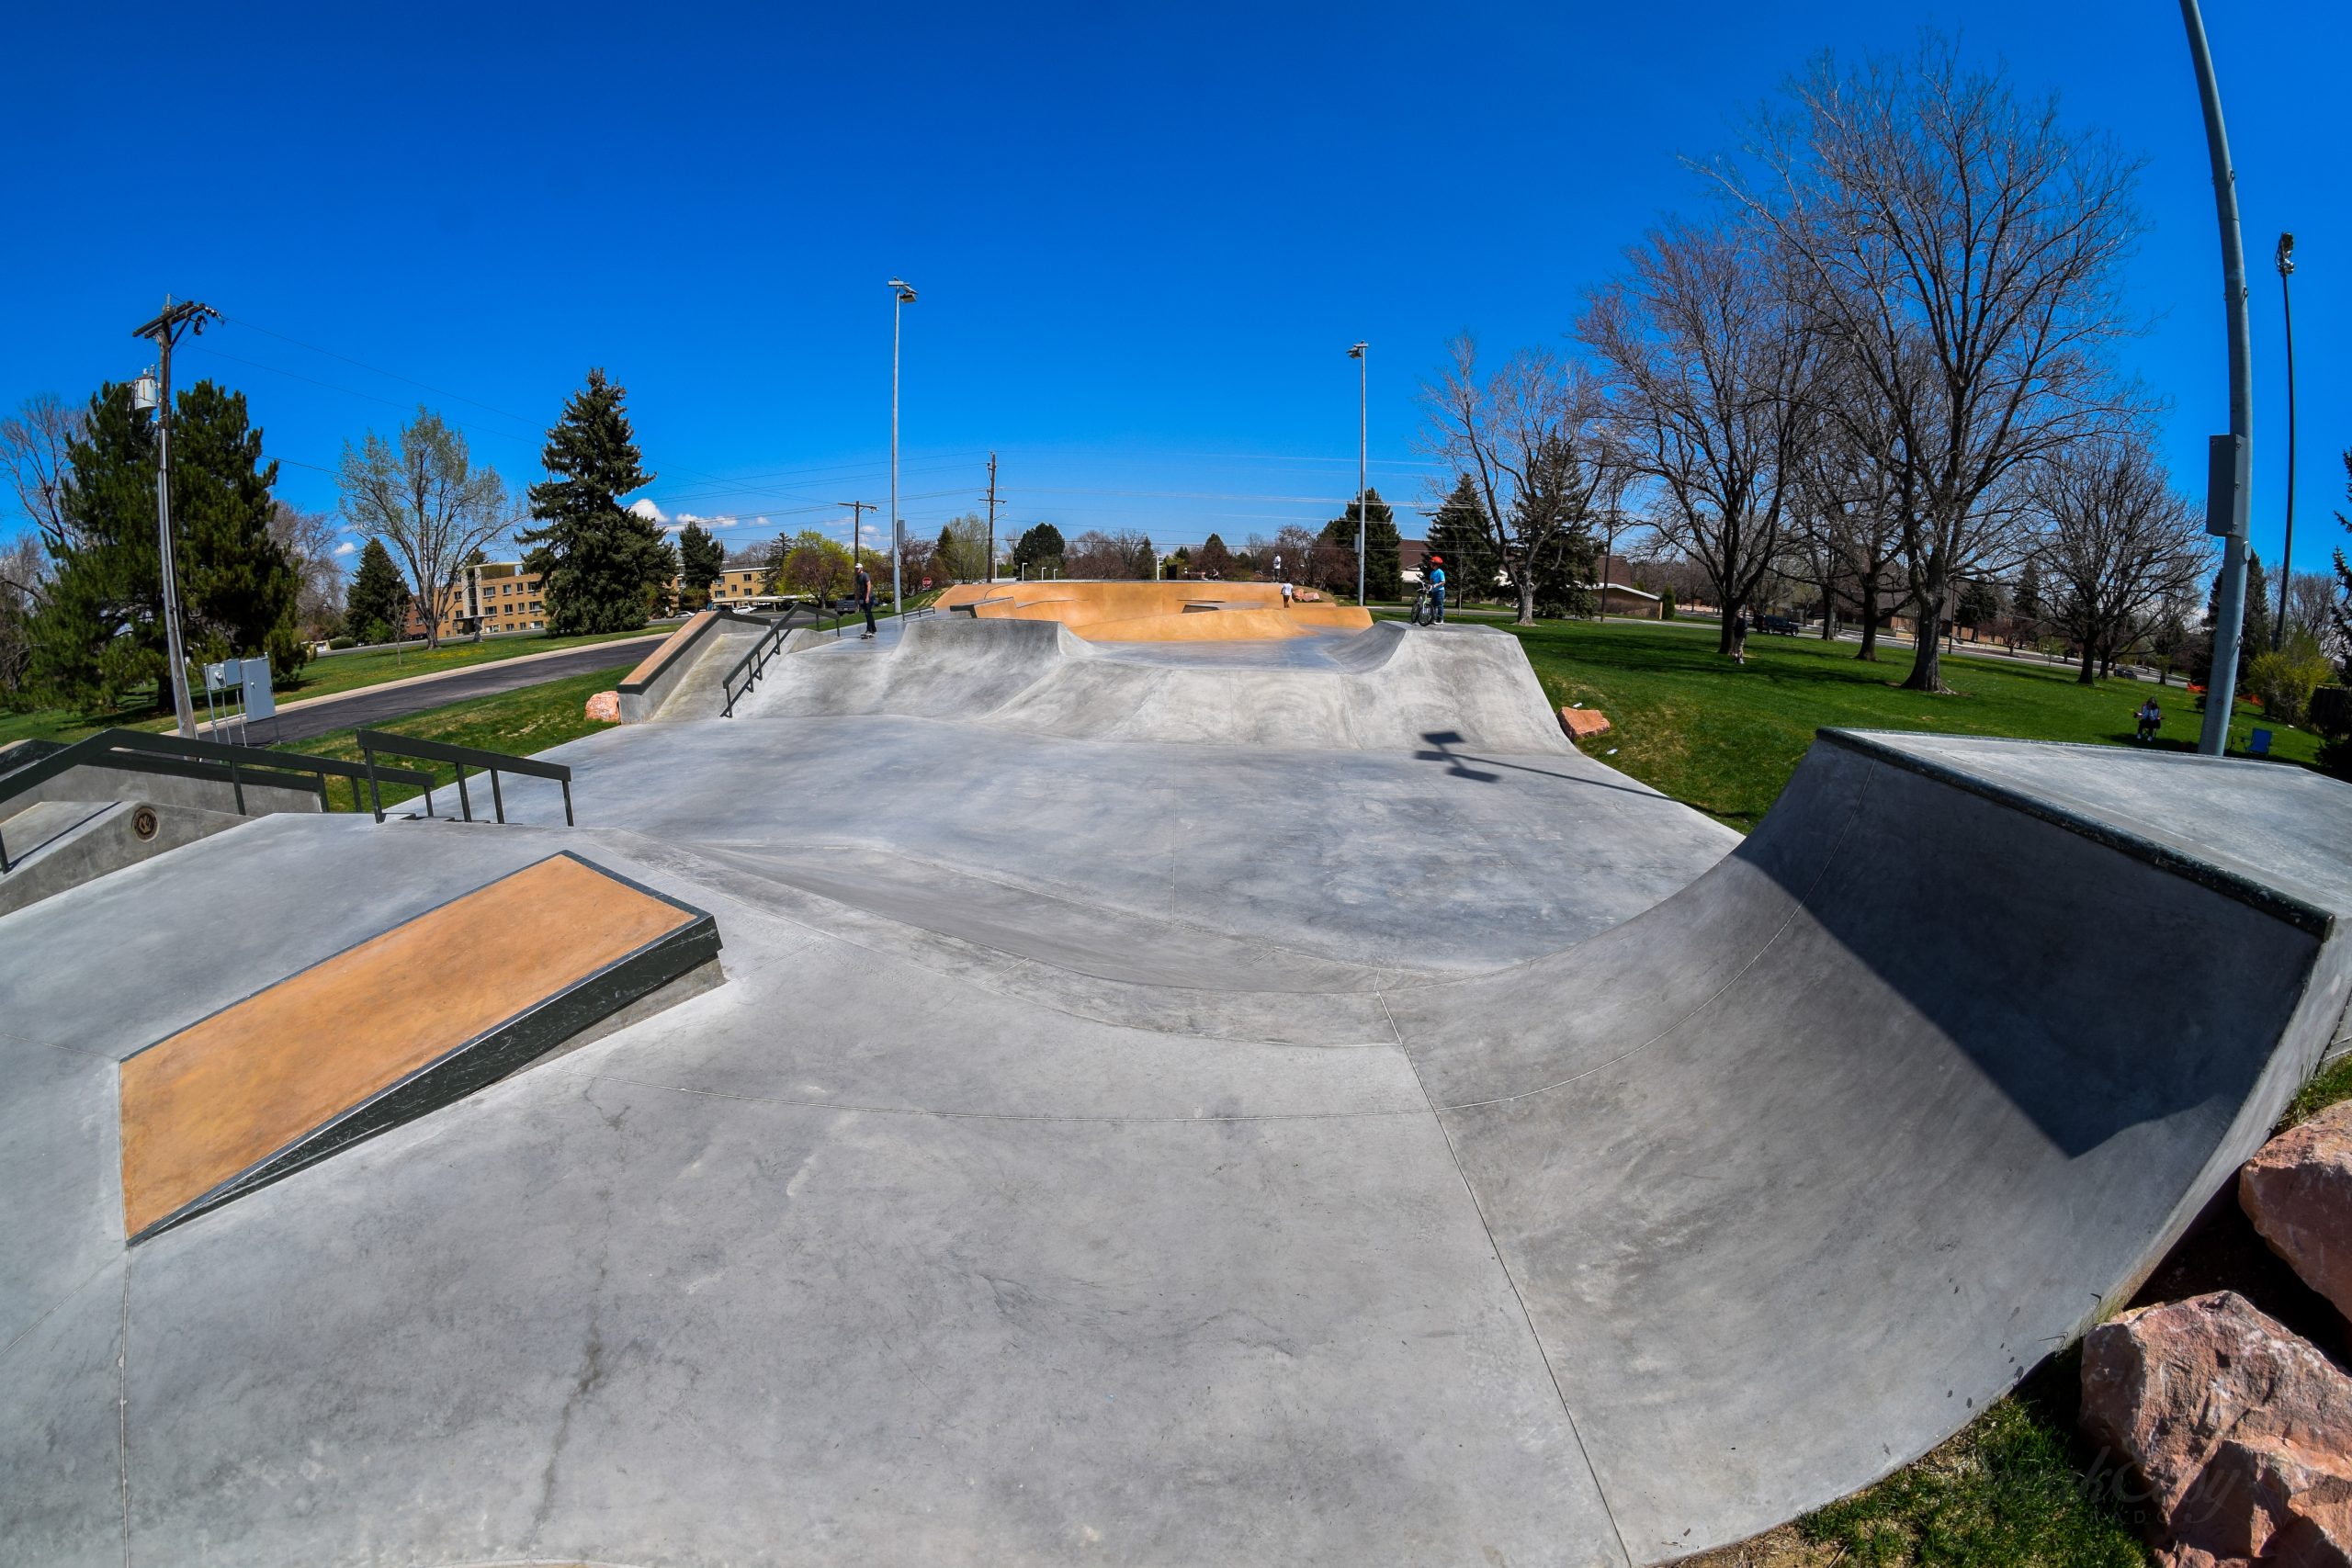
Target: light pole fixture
x,y
2228,457
1363,373
2286,260
901,296
164,331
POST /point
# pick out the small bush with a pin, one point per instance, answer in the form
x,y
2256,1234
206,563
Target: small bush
x,y
1666,606
339,644
2283,679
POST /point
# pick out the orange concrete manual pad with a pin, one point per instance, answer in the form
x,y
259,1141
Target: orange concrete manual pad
x,y
204,1106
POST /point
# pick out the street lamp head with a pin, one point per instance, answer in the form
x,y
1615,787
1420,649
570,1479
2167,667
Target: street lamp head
x,y
1357,352
906,291
2286,254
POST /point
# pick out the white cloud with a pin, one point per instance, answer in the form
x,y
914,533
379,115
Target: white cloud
x,y
644,507
346,549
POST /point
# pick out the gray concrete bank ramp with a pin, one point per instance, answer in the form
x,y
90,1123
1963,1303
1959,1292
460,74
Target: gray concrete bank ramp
x,y
1119,1141
1383,688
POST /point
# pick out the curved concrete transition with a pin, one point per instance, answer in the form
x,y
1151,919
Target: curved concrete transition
x,y
1170,1104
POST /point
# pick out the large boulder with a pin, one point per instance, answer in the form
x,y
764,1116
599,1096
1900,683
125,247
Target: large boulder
x,y
2298,1192
2241,1430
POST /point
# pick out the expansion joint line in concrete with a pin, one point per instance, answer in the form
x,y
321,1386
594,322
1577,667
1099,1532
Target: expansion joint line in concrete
x,y
1107,1118
122,1406
1478,1208
1796,906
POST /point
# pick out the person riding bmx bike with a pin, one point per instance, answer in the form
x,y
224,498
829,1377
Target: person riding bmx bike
x,y
1430,612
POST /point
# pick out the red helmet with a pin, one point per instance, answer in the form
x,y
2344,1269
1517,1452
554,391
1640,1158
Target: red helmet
x,y
1437,561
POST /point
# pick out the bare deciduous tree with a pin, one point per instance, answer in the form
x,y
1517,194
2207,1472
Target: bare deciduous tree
x,y
1122,554
24,567
1847,501
2121,544
1711,364
1960,248
308,538
33,443
429,504
1532,438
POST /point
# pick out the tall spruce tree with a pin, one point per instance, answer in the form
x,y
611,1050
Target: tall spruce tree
x,y
1459,534
100,631
604,569
376,603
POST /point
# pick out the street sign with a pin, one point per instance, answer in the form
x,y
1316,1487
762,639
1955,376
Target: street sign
x,y
2225,479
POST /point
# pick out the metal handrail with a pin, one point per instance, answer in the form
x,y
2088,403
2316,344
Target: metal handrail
x,y
462,757
754,661
170,756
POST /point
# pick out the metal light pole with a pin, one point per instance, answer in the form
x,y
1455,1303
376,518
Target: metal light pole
x,y
900,297
2227,470
1363,373
164,331
2286,259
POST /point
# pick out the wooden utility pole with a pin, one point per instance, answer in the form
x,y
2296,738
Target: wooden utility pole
x,y
992,517
164,331
857,510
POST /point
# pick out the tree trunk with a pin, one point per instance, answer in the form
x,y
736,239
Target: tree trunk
x,y
1927,665
1868,595
1524,581
2084,678
1725,619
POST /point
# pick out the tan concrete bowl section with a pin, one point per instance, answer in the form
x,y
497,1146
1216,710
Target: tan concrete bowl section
x,y
1156,612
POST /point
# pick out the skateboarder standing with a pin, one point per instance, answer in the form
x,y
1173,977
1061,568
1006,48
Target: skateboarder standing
x,y
865,601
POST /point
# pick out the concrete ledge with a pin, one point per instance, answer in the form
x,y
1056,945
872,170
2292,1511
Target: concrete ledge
x,y
658,674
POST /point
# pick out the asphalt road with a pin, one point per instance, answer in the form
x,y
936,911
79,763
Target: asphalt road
x,y
377,704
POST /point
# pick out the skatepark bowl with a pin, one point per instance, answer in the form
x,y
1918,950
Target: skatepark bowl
x,y
1252,1100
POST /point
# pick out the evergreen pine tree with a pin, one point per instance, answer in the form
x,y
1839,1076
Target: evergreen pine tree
x,y
100,630
237,583
701,560
1458,533
603,568
1383,567
2253,633
376,603
1214,559
1039,550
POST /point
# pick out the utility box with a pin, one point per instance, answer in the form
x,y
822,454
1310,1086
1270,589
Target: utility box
x,y
260,701
2225,480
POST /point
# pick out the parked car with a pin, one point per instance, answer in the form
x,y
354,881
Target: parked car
x,y
1780,623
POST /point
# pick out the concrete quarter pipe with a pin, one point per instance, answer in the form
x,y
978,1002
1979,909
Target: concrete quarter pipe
x,y
1137,1128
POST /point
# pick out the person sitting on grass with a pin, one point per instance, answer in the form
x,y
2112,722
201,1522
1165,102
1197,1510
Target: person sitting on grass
x,y
2152,718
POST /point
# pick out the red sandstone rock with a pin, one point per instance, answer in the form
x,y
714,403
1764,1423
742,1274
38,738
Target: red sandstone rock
x,y
2298,1192
604,707
2242,1431
1583,722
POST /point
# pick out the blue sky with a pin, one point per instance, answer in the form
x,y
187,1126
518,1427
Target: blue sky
x,y
1143,239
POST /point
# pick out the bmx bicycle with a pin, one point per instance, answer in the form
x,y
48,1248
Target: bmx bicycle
x,y
1425,611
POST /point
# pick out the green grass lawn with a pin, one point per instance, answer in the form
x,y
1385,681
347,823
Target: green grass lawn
x,y
324,676
519,723
1726,737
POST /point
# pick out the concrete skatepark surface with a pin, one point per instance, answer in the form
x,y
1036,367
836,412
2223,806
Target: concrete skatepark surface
x,y
1140,1143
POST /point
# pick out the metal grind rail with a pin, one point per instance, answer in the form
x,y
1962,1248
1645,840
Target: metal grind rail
x,y
372,741
169,756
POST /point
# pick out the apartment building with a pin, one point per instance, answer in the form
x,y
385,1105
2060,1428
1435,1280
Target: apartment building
x,y
496,596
